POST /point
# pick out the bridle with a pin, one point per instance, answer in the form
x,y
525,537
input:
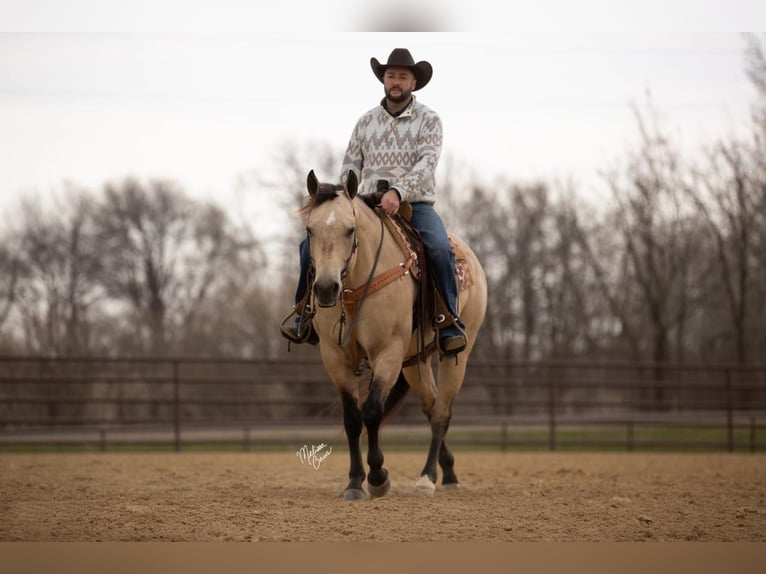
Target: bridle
x,y
352,252
354,246
345,292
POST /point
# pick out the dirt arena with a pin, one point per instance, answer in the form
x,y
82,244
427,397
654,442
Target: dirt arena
x,y
276,497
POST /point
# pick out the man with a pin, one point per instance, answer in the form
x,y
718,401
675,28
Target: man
x,y
397,145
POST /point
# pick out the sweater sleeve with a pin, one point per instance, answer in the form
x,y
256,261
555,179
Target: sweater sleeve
x,y
420,179
354,156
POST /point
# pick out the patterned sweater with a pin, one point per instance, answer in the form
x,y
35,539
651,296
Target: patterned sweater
x,y
403,150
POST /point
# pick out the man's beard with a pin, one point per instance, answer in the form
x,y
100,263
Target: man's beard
x,y
403,97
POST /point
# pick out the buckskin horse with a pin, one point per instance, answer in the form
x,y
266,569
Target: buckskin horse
x,y
354,253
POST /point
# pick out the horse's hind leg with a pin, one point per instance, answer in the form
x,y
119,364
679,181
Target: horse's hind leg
x,y
421,380
451,376
447,462
427,481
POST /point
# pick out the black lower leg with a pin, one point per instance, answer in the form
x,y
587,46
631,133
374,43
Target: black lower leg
x,y
352,421
372,414
437,438
447,462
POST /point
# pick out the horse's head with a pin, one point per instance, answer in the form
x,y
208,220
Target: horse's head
x,y
331,229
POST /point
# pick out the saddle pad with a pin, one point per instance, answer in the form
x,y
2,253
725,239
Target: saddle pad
x,y
404,243
462,266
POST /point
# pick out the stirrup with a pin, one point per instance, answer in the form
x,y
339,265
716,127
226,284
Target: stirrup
x,y
304,330
449,345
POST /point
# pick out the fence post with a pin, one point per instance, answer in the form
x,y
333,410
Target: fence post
x,y
631,444
729,413
102,439
504,436
551,411
246,439
752,434
176,407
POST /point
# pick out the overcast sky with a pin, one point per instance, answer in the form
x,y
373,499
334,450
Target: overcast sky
x,y
203,92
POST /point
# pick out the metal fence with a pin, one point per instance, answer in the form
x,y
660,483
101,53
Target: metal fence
x,y
179,402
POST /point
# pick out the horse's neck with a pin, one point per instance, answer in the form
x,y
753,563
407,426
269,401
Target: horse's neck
x,y
369,229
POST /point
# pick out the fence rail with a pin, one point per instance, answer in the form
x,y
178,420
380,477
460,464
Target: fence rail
x,y
98,402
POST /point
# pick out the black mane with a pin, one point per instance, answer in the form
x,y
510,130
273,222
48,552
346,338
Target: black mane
x,y
325,192
371,199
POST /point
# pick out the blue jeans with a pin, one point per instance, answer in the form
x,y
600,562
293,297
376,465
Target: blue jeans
x,y
441,259
305,258
439,253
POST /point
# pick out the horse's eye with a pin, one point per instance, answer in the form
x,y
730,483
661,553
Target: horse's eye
x,y
350,232
308,231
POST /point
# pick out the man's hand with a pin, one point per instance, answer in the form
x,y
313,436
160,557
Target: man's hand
x,y
389,203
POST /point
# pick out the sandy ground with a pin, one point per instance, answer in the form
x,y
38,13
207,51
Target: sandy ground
x,y
275,497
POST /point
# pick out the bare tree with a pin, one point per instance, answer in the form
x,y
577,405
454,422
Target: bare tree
x,y
608,262
218,258
166,256
277,194
62,261
487,227
140,230
727,200
656,231
10,272
755,67
529,207
287,189
567,281
756,70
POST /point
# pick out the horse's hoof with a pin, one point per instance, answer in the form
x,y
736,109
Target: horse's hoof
x,y
354,494
451,486
425,485
378,491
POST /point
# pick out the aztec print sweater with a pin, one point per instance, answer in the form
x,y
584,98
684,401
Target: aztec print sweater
x,y
403,150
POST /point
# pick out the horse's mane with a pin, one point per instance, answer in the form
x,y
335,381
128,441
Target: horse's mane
x,y
372,200
326,192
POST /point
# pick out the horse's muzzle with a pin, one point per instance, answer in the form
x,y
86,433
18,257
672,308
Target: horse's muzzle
x,y
327,293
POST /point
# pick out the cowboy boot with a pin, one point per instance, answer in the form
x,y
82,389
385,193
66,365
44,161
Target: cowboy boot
x,y
301,330
449,327
452,339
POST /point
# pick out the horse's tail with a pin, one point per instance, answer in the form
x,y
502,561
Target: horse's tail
x,y
396,396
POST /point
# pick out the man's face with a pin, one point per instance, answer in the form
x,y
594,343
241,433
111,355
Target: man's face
x,y
398,84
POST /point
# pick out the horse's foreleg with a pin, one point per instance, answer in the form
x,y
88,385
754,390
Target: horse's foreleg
x,y
352,421
372,414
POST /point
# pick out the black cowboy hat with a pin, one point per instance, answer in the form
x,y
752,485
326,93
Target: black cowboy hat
x,y
401,57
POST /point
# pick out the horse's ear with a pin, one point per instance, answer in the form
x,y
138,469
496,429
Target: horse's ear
x,y
352,184
312,183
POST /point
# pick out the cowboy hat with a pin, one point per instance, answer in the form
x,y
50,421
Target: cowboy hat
x,y
401,57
